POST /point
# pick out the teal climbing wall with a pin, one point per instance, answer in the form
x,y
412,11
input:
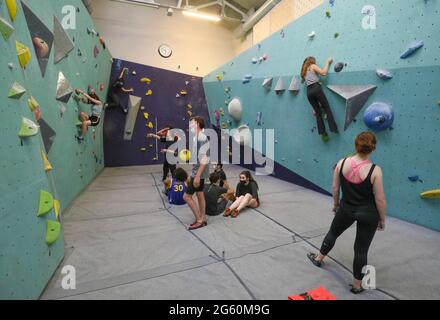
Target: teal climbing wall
x,y
26,261
411,148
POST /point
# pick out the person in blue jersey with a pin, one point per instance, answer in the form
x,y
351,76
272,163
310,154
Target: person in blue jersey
x,y
176,187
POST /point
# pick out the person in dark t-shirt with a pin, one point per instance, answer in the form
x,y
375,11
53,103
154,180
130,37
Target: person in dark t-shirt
x,y
246,194
215,202
116,89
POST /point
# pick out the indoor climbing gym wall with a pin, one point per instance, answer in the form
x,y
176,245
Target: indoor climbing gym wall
x,y
159,98
48,48
385,78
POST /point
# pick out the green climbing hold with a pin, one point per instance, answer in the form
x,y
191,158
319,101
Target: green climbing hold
x,y
46,203
53,230
79,123
6,29
327,14
325,137
27,129
16,91
336,35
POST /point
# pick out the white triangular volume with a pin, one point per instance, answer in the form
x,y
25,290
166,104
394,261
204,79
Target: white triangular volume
x,y
280,85
267,83
294,85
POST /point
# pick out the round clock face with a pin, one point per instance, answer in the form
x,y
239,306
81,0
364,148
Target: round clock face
x,y
165,50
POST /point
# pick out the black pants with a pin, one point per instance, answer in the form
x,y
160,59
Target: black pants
x,y
166,168
114,101
319,102
367,221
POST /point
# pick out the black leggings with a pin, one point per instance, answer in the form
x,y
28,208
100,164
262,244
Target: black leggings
x,y
168,167
367,221
114,101
318,100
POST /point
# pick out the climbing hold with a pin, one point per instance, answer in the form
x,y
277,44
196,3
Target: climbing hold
x,y
62,42
24,55
254,60
217,118
154,159
221,111
312,34
177,95
16,91
142,108
235,109
185,155
218,77
11,66
150,146
64,90
190,114
224,125
355,97
186,82
101,87
62,110
336,35
183,93
247,80
228,89
33,104
265,56
150,125
28,128
79,53
146,115
411,49
384,74
379,116
267,83
189,106
328,14
57,208
53,230
294,85
46,164
6,29
332,2
102,41
146,80
280,87
431,194
12,9
299,160
95,51
143,149
46,203
339,66
149,92
134,72
78,123
414,179
259,118
243,135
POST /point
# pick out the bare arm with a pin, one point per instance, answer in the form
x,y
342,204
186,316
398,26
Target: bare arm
x,y
379,193
127,90
336,186
97,102
122,73
323,71
152,135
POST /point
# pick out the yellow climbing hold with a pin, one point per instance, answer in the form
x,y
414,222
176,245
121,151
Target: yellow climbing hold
x,y
28,128
189,106
143,149
221,111
185,155
12,9
33,104
46,163
146,80
431,194
183,93
150,125
219,77
190,113
57,208
146,115
149,93
24,54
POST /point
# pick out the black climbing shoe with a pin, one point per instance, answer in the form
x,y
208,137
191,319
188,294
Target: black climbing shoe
x,y
356,290
312,258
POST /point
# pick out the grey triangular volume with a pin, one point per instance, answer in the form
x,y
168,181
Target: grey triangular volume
x,y
294,85
130,120
348,91
47,133
355,104
280,86
62,42
42,37
267,83
64,90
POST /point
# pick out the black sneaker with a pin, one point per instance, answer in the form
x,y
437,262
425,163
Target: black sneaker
x,y
312,257
79,138
356,290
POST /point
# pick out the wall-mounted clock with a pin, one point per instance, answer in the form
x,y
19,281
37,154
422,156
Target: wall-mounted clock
x,y
165,51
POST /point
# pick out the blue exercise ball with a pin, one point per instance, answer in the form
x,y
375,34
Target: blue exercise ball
x,y
379,116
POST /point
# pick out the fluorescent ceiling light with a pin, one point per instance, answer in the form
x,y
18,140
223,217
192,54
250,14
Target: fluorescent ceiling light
x,y
201,15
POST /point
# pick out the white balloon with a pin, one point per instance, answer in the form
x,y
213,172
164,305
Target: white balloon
x,y
235,109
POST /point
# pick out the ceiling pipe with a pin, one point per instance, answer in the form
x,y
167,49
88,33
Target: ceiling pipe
x,y
257,16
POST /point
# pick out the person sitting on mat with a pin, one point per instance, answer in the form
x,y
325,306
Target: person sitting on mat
x,y
363,201
246,195
176,187
316,96
95,117
223,182
116,89
215,202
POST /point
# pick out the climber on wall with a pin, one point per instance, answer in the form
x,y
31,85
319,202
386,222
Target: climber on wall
x,y
117,88
310,75
95,117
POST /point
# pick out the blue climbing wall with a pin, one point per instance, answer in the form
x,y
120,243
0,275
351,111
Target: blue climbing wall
x,y
411,148
26,261
162,105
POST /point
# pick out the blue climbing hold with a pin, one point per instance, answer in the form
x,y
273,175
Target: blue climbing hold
x,y
415,179
332,2
379,116
412,47
384,74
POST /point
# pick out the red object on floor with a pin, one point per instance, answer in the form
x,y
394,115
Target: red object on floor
x,y
317,294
